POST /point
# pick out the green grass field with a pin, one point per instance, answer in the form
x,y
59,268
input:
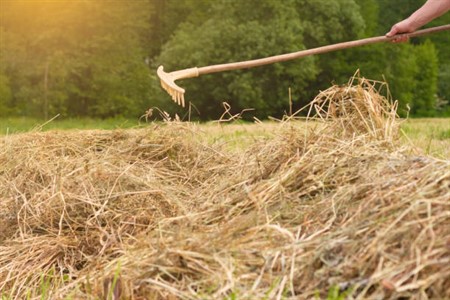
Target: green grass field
x,y
18,125
430,135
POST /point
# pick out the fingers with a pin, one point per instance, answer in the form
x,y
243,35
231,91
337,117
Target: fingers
x,y
393,31
396,29
400,39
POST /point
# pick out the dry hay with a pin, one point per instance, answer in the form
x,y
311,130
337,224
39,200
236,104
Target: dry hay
x,y
158,213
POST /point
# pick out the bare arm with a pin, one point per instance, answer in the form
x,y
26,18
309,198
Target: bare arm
x,y
429,11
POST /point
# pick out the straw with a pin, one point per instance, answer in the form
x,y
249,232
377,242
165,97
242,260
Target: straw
x,y
160,213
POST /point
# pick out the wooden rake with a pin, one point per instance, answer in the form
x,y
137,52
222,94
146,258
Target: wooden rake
x,y
177,93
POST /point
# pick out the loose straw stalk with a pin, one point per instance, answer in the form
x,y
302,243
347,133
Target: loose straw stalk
x,y
159,213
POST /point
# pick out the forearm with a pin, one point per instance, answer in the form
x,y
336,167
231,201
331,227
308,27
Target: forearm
x,y
429,11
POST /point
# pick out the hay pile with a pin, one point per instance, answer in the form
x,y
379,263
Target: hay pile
x,y
158,213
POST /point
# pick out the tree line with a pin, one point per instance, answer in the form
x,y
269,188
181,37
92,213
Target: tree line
x,y
98,58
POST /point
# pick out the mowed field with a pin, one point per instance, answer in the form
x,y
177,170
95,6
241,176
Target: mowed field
x,y
431,136
351,204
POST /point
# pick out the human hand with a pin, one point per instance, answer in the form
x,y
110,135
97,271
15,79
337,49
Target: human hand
x,y
404,26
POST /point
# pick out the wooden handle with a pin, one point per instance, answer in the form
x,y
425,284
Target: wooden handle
x,y
319,50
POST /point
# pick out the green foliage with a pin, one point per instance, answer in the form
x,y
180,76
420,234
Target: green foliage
x,y
412,70
400,74
239,30
98,58
392,12
167,16
76,58
412,74
328,22
5,95
267,29
370,11
441,42
444,87
424,103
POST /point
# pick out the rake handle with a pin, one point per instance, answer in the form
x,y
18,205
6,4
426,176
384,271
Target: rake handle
x,y
318,50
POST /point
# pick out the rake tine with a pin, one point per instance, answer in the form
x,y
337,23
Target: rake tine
x,y
168,82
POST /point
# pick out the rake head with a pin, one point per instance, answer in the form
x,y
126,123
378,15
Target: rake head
x,y
168,82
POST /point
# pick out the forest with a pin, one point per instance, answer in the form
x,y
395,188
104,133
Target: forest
x,y
98,59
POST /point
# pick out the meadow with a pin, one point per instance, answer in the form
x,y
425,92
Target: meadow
x,y
341,205
431,135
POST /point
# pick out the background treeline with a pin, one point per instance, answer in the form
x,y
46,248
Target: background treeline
x,y
98,58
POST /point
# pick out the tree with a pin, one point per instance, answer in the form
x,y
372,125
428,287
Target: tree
x,y
394,11
77,57
441,42
370,12
167,15
400,74
92,58
5,95
239,30
424,103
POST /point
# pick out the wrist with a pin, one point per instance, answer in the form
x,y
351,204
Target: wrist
x,y
413,23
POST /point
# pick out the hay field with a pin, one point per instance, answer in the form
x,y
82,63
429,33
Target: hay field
x,y
429,137
339,207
